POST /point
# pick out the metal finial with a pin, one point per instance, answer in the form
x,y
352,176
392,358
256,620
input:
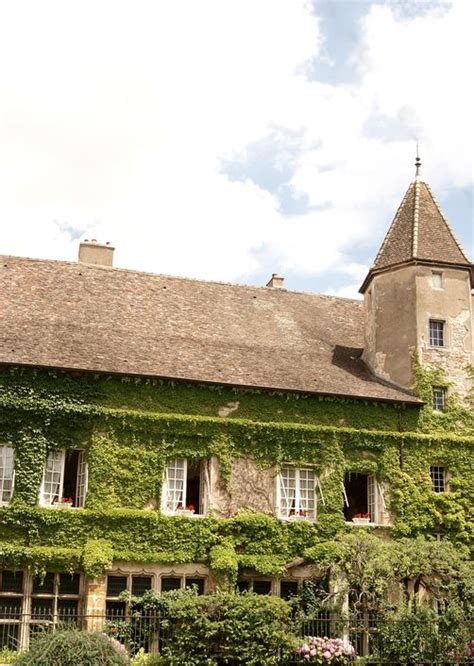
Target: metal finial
x,y
417,162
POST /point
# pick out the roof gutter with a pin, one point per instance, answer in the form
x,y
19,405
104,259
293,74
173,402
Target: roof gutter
x,y
414,402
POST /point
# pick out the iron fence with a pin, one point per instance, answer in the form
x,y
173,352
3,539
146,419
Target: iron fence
x,y
135,631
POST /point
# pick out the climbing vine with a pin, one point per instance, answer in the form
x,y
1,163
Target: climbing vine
x,y
129,431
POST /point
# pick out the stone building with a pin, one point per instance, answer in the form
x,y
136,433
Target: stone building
x,y
159,432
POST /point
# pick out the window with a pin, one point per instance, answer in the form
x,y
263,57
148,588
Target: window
x,y
185,486
438,481
7,473
363,497
297,493
177,582
137,585
255,585
55,598
11,608
439,398
288,589
437,280
65,477
436,333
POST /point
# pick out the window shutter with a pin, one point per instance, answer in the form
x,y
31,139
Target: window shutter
x,y
176,484
53,476
320,489
346,501
82,479
7,474
381,495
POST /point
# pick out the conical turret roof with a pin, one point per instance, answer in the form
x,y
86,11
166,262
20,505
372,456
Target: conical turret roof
x,y
419,233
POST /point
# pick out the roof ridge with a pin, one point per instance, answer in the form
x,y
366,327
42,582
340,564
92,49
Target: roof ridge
x,y
416,218
445,220
181,278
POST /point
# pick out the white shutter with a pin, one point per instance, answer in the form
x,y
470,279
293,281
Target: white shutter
x,y
176,484
7,474
318,483
53,477
306,497
287,481
381,496
372,499
346,501
82,480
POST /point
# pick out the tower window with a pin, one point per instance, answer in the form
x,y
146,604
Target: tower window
x,y
438,481
436,333
437,280
439,398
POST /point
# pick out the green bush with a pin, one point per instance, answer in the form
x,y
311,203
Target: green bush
x,y
226,628
144,659
8,656
71,647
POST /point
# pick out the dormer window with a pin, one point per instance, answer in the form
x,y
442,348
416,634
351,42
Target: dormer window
x,y
436,333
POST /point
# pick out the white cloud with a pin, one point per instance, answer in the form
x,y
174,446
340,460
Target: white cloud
x,y
115,116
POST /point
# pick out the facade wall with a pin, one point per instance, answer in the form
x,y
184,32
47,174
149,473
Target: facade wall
x,y
451,304
390,303
399,305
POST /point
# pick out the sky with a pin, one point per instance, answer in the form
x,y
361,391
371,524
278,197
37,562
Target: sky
x,y
231,139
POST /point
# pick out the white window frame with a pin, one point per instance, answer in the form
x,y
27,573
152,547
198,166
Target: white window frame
x,y
55,464
173,496
7,473
437,474
439,334
82,480
439,398
375,498
285,503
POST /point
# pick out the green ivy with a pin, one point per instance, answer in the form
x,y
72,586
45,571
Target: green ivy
x,y
129,431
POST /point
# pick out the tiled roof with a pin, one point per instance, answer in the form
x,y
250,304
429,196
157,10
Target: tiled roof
x,y
79,316
419,232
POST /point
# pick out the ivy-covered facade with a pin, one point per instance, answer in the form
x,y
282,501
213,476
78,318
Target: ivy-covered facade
x,y
114,481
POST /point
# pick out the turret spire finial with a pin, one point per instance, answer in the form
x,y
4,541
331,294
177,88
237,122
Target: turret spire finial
x,y
417,162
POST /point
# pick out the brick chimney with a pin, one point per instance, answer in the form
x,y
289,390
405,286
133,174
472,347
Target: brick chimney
x,y
92,252
275,282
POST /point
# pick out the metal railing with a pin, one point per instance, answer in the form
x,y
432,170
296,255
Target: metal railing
x,y
135,631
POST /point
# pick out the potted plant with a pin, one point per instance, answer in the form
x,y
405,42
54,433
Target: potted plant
x,y
361,518
298,515
62,502
185,510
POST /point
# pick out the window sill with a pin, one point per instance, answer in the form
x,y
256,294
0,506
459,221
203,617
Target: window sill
x,y
372,525
183,514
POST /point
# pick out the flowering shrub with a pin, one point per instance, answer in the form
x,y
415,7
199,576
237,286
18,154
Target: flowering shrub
x,y
62,500
467,656
326,651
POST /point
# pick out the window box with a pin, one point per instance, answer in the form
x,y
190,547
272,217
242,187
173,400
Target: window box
x,y
62,504
361,521
185,512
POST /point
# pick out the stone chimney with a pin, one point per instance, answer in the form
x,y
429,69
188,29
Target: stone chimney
x,y
92,252
275,282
